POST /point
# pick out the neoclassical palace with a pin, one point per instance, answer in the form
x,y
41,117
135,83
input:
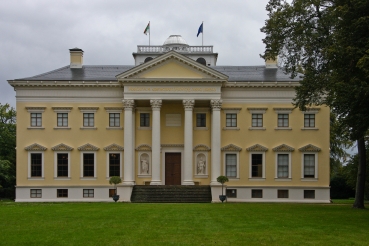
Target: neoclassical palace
x,y
173,118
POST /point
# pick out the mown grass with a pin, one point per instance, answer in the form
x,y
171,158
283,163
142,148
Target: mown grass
x,y
182,224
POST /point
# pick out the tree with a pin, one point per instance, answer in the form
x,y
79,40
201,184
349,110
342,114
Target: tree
x,y
329,42
7,150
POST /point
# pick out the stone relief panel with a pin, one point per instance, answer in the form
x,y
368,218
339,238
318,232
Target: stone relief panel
x,y
144,166
201,165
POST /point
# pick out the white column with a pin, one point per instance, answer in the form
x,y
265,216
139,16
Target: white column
x,y
215,141
155,154
188,143
128,164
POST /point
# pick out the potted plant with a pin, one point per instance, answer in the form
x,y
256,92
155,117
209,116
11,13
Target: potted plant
x,y
222,180
115,180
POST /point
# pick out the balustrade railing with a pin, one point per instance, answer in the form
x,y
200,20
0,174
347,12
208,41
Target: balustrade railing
x,y
184,49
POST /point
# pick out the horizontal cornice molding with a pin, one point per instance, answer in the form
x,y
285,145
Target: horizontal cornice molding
x,y
260,84
63,83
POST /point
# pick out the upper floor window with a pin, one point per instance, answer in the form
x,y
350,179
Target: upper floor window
x,y
36,119
257,120
309,120
62,119
144,119
201,61
283,120
231,120
88,119
200,120
114,119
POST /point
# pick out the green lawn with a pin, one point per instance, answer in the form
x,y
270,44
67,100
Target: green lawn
x,y
182,224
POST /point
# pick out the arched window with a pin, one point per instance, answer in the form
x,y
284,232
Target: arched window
x,y
201,61
148,59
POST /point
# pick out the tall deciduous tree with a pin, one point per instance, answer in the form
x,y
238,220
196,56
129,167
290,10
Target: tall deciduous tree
x,y
329,42
7,149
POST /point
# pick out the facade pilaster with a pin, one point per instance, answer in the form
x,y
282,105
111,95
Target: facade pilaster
x,y
128,176
188,143
155,154
215,141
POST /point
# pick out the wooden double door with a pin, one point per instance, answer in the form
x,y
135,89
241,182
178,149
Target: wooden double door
x,y
172,168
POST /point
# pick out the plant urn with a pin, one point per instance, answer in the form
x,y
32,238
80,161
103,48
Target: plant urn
x,y
222,197
116,198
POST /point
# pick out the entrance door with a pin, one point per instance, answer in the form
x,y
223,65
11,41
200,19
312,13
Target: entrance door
x,y
172,168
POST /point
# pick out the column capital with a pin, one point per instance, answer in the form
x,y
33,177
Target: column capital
x,y
188,104
156,103
216,104
128,103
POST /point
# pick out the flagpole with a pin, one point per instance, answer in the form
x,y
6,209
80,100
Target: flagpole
x,y
203,35
149,32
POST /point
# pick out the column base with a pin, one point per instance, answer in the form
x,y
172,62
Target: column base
x,y
125,192
155,182
188,182
128,183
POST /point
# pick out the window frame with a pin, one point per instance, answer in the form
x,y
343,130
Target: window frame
x,y
281,191
257,120
202,120
145,121
254,111
90,116
88,110
204,111
37,192
306,193
250,165
289,166
30,153
82,165
56,165
108,153
231,111
145,110
312,111
61,194
115,118
236,153
36,110
88,192
256,190
232,118
303,166
283,120
310,119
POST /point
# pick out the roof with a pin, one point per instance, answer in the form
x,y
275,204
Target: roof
x,y
108,73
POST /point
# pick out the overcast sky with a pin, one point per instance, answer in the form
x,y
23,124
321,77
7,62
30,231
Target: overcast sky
x,y
36,35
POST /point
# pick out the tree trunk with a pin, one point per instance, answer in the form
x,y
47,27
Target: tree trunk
x,y
361,173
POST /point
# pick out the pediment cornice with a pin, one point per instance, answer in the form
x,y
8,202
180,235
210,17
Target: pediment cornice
x,y
310,148
201,147
35,147
283,148
143,147
231,147
88,147
257,148
62,147
114,147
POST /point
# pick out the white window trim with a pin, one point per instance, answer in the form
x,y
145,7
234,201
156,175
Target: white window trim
x,y
56,165
257,111
65,111
250,166
42,165
144,110
201,111
237,164
120,163
114,111
316,167
311,111
283,111
140,153
231,111
41,111
289,166
88,111
88,178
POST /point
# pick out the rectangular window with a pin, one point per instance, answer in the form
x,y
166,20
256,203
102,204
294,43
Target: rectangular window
x,y
62,161
88,119
200,120
62,119
232,193
114,119
62,192
88,192
257,120
231,120
36,119
309,194
309,166
282,120
111,192
309,120
88,165
114,164
231,165
36,165
282,193
144,119
256,193
36,193
282,165
257,165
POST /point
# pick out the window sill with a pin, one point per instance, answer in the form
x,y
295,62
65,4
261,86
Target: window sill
x,y
309,179
282,179
257,128
283,128
88,178
114,128
36,178
35,128
61,178
234,179
231,128
309,129
88,128
62,128
256,179
144,128
201,128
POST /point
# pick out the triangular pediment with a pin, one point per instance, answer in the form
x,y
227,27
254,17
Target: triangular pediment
x,y
35,147
257,148
88,147
172,65
143,147
231,147
201,147
283,148
309,148
114,147
62,147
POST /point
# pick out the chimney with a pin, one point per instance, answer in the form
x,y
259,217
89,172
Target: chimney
x,y
76,58
271,63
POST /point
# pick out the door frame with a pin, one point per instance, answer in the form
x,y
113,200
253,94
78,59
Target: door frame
x,y
171,149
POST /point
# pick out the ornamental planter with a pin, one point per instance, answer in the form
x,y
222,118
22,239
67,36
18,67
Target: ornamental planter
x,y
222,180
116,198
222,197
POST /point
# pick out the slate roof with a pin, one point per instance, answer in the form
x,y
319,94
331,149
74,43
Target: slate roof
x,y
108,73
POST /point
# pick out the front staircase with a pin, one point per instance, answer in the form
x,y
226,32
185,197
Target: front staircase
x,y
171,194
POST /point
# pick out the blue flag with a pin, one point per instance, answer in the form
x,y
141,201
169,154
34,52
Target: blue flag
x,y
200,29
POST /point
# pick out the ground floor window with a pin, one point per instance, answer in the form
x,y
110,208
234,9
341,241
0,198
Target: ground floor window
x,y
88,192
111,192
232,193
62,164
282,193
36,193
62,192
309,165
309,194
114,164
36,164
88,165
257,165
256,193
231,165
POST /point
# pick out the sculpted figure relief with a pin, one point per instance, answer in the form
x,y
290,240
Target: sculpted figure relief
x,y
144,165
201,165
